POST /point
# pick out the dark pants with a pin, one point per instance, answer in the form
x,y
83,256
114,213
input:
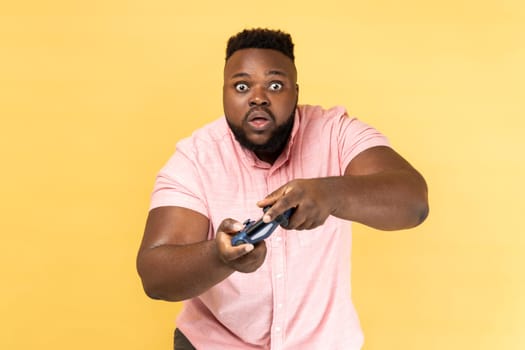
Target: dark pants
x,y
181,342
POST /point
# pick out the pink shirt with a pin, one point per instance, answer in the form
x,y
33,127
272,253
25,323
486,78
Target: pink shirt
x,y
300,297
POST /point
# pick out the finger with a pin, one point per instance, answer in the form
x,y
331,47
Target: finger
x,y
307,225
272,197
284,203
229,252
239,251
300,221
295,221
251,262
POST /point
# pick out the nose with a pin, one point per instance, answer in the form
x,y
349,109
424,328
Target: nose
x,y
258,98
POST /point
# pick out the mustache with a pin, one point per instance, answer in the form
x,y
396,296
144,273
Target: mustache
x,y
259,109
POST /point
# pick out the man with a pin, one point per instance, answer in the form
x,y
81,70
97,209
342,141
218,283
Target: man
x,y
292,290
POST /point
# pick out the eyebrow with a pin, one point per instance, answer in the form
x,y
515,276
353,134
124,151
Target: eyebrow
x,y
270,72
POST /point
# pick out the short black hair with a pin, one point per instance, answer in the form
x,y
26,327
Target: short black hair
x,y
261,38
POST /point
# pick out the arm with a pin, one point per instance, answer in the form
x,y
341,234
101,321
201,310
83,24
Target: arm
x,y
177,262
379,188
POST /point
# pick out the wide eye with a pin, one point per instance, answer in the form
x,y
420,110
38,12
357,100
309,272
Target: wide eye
x,y
241,87
275,86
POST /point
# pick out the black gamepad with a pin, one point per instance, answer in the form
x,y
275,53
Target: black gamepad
x,y
255,231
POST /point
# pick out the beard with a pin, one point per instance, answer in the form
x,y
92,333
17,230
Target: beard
x,y
277,141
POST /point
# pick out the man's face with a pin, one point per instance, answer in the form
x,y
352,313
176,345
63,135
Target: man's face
x,y
259,97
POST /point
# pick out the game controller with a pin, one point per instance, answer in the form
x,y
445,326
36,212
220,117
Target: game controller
x,y
255,231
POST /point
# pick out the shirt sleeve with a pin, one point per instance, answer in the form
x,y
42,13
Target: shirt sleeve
x,y
178,183
355,136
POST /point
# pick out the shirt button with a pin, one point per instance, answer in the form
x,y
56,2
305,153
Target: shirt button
x,y
279,275
279,306
278,239
277,329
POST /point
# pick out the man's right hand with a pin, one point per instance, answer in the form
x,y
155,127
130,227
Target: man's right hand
x,y
177,261
242,258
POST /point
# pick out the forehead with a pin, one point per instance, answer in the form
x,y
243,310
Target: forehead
x,y
258,62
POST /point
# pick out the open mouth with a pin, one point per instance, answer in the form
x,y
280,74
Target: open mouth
x,y
259,120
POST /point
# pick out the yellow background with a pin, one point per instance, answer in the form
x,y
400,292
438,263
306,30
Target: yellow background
x,y
95,94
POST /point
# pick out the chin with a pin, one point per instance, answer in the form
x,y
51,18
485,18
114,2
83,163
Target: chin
x,y
259,140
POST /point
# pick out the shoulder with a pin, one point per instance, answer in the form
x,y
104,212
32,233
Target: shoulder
x,y
317,115
207,138
336,117
316,111
316,119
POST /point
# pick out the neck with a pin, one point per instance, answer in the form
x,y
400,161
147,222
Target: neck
x,y
268,157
